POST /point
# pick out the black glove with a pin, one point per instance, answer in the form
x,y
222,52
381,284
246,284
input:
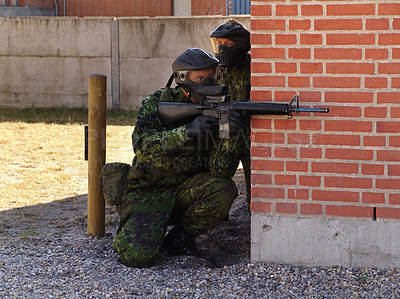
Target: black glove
x,y
200,125
238,121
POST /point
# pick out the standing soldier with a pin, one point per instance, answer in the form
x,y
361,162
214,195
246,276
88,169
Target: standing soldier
x,y
231,44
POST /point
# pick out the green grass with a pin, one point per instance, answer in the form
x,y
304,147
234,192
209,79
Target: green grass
x,y
64,116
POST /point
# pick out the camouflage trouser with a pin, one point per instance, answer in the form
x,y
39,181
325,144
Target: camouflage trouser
x,y
197,205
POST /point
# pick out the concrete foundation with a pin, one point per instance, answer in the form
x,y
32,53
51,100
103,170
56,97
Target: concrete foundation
x,y
318,242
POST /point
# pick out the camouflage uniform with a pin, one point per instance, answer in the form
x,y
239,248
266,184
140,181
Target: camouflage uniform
x,y
174,179
237,78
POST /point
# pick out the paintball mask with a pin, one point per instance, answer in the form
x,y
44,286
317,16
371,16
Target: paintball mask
x,y
194,68
230,42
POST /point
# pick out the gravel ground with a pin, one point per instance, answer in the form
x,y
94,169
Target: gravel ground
x,y
45,253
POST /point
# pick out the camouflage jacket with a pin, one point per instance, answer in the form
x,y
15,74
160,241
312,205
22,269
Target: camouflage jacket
x,y
166,156
237,78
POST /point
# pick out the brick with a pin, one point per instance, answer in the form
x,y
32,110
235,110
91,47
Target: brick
x,y
377,24
299,53
296,166
349,211
267,192
388,184
374,198
395,82
348,126
338,24
388,68
261,67
299,24
389,39
347,111
281,179
266,165
396,23
263,207
395,112
261,178
394,199
298,193
264,137
394,170
350,39
260,151
287,208
268,53
261,95
298,138
311,39
261,123
285,152
270,81
332,53
336,82
387,127
260,10
311,181
285,39
390,213
310,125
374,141
388,155
284,124
349,154
261,39
389,9
331,167
311,67
376,54
332,139
342,196
298,81
376,83
394,141
310,96
372,169
350,9
388,97
348,182
311,10
349,68
285,67
286,10
283,96
311,209
310,153
269,24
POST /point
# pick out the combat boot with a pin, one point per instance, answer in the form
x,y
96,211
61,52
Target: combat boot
x,y
178,242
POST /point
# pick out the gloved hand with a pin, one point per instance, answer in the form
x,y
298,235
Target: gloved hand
x,y
200,125
238,121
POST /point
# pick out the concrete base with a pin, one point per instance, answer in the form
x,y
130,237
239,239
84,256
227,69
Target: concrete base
x,y
322,242
9,11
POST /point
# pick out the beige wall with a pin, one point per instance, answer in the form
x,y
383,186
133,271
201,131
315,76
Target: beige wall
x,y
46,62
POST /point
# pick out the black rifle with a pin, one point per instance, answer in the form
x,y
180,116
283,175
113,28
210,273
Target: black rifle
x,y
216,103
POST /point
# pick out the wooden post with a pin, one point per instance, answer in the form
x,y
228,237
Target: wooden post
x,y
96,154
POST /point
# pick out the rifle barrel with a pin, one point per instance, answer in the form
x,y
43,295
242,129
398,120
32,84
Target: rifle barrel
x,y
319,110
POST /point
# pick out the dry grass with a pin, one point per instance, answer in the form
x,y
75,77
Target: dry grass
x,y
44,161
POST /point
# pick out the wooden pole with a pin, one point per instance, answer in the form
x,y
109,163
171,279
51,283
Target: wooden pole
x,y
96,153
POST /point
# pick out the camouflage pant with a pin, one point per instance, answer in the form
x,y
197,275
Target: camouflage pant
x,y
197,205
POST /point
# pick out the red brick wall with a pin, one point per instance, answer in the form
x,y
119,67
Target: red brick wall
x,y
122,8
344,55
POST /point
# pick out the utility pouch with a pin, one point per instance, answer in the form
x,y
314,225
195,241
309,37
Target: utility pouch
x,y
114,182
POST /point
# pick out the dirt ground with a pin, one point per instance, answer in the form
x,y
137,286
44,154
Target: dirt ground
x,y
43,188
